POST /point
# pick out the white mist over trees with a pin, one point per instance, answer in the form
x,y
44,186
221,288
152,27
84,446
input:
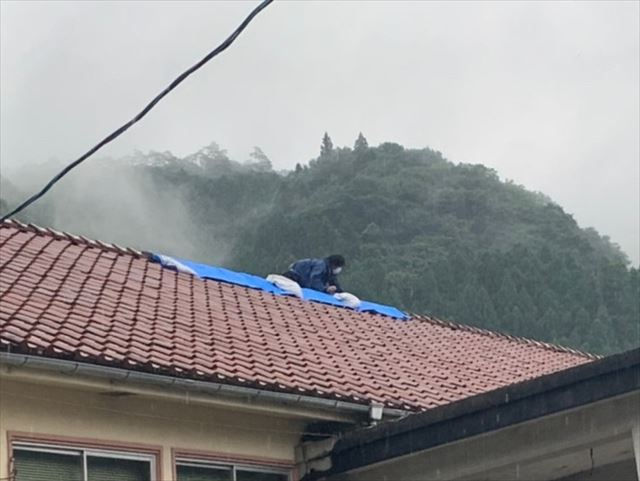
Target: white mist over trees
x,y
418,232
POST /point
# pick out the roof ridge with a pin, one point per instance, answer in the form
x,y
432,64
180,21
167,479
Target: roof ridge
x,y
74,239
121,313
111,247
487,332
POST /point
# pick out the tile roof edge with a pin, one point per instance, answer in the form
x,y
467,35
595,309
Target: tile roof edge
x,y
74,239
9,347
518,339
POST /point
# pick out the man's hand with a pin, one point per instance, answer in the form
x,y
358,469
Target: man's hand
x,y
331,289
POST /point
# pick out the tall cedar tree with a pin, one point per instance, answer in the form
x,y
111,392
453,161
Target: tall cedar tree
x,y
361,143
327,146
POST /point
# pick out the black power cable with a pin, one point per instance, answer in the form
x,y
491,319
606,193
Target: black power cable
x,y
115,134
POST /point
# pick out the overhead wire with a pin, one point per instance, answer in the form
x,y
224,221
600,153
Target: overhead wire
x,y
119,131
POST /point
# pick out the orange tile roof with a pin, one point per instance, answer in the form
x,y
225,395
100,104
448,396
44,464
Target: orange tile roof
x,y
69,297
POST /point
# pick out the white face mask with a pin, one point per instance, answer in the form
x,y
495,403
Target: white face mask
x,y
337,270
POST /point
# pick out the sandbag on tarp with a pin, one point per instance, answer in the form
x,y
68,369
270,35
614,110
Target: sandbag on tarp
x,y
349,299
289,286
172,263
254,282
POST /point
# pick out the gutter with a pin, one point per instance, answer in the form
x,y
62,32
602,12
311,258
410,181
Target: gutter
x,y
241,394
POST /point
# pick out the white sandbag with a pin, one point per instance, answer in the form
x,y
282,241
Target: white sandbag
x,y
348,299
287,285
171,263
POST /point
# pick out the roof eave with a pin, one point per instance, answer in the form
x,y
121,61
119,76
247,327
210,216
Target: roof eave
x,y
568,389
249,397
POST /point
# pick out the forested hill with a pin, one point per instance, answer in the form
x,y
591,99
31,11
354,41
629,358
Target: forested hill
x,y
418,232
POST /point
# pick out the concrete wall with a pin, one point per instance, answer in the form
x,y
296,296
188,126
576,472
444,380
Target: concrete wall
x,y
595,436
42,406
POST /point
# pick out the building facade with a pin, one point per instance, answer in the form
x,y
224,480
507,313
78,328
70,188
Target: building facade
x,y
115,367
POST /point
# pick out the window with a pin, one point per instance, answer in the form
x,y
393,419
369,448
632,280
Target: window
x,y
199,471
36,462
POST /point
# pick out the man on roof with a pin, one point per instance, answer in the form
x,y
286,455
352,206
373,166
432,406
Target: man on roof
x,y
318,274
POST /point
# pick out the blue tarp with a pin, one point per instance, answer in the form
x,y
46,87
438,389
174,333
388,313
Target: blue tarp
x,y
255,282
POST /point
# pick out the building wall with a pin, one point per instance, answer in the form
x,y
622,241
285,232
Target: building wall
x,y
109,416
592,437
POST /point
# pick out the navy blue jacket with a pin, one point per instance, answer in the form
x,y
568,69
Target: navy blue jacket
x,y
314,274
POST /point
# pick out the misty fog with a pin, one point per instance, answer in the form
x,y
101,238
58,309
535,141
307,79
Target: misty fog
x,y
544,92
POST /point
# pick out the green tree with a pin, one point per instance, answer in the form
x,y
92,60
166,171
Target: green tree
x,y
476,307
361,145
449,240
600,338
549,325
259,160
326,148
506,297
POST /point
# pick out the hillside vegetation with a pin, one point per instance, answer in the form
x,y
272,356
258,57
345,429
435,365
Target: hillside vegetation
x,y
418,232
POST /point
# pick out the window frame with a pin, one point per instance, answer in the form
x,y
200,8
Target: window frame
x,y
226,461
86,448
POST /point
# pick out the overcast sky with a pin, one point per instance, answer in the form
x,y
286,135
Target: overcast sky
x,y
546,93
